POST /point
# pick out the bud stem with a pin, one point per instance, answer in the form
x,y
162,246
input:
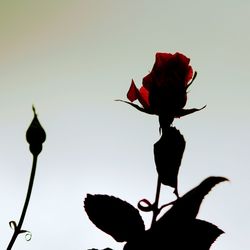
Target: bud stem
x,y
17,229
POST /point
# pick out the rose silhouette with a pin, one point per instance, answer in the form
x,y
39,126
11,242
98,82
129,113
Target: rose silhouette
x,y
163,93
164,89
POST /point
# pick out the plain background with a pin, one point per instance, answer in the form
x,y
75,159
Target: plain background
x,y
72,59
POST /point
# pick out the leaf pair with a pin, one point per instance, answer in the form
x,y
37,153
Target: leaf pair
x,y
177,229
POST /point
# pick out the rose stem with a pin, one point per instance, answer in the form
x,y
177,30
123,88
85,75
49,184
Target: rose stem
x,y
17,229
155,206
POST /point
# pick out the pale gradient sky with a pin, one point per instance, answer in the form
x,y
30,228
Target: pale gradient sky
x,y
72,59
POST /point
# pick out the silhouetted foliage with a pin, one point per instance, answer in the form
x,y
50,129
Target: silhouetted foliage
x,y
114,216
195,235
178,228
102,249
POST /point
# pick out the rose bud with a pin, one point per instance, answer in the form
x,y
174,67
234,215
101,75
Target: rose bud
x,y
35,135
168,152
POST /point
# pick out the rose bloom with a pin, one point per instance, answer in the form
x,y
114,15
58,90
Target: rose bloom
x,y
164,89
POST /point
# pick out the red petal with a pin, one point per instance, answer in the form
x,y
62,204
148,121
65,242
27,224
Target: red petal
x,y
161,59
185,61
189,75
182,58
147,81
163,56
133,92
143,97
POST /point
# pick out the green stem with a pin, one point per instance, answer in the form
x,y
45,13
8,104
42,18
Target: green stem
x,y
157,197
18,228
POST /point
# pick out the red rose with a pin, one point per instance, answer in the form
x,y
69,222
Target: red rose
x,y
164,89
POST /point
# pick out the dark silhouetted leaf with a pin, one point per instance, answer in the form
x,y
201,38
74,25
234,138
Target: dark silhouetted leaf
x,y
103,249
194,235
202,234
187,207
114,216
168,153
178,228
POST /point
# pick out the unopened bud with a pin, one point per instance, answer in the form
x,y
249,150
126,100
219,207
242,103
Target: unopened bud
x,y
35,135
